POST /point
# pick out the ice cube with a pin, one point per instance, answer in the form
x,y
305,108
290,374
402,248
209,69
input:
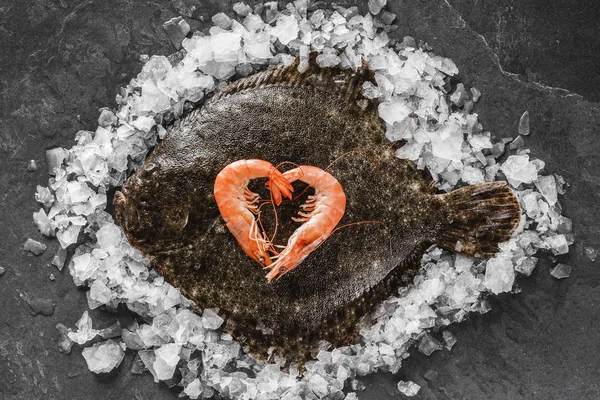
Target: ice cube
x,y
547,186
109,238
46,226
318,384
221,20
449,339
327,60
459,96
167,357
392,111
428,344
517,143
104,356
447,143
55,158
148,357
524,124
65,344
210,319
518,169
34,247
370,91
557,244
375,6
526,265
499,274
561,271
68,236
286,29
242,9
481,141
100,293
591,253
177,29
193,389
472,175
408,388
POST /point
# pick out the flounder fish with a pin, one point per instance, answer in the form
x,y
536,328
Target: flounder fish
x,y
319,118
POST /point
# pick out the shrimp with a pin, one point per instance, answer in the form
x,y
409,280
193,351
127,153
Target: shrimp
x,y
238,205
320,214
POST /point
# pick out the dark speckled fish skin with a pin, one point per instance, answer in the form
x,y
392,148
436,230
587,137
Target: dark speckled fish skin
x,y
167,209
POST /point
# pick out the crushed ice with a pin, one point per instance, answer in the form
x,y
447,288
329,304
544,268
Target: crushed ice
x,y
441,135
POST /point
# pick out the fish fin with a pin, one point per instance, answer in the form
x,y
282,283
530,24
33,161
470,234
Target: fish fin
x,y
480,217
344,82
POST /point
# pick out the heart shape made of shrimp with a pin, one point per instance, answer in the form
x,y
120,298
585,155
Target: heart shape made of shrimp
x,y
238,206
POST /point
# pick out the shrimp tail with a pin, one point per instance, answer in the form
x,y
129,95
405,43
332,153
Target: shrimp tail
x,y
279,186
479,218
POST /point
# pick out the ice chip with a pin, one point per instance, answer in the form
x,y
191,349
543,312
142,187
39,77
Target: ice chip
x,y
99,292
370,91
45,225
375,6
177,28
517,143
472,175
193,389
286,29
167,357
55,158
449,339
103,357
459,96
221,20
210,319
499,274
392,111
327,60
561,271
408,388
524,124
447,143
518,169
526,265
428,344
155,69
547,187
558,244
34,247
242,9
591,253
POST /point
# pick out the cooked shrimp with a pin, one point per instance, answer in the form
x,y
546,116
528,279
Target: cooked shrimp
x,y
238,205
320,214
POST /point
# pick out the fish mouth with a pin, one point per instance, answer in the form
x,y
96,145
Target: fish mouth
x,y
126,212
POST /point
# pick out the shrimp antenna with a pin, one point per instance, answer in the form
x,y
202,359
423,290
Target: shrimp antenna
x,y
364,153
362,223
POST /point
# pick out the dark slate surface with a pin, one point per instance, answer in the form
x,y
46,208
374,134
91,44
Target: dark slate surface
x,y
64,58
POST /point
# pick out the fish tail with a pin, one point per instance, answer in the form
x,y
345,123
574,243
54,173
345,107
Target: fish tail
x,y
479,218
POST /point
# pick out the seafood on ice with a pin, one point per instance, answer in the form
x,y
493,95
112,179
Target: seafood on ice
x,y
169,209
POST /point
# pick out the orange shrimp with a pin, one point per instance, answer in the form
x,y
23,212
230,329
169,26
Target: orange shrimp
x,y
238,205
320,214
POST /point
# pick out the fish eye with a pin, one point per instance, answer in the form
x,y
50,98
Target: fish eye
x,y
282,270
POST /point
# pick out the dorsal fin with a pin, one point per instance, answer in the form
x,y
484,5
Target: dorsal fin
x,y
343,82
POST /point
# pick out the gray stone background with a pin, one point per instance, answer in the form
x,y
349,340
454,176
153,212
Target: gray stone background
x,y
61,60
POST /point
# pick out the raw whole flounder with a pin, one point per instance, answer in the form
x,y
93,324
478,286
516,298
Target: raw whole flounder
x,y
167,209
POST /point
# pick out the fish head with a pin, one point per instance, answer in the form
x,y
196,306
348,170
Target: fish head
x,y
151,208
